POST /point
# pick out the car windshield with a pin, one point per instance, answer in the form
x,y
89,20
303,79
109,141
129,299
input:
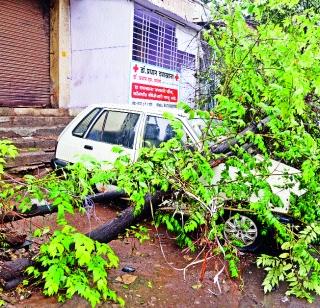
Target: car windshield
x,y
199,125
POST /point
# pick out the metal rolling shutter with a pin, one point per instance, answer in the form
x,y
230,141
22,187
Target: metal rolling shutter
x,y
24,53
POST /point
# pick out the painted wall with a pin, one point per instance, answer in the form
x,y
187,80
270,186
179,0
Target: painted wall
x,y
190,10
101,40
101,51
188,41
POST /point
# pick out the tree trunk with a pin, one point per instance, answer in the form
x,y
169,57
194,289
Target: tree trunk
x,y
110,230
11,272
43,210
12,269
226,144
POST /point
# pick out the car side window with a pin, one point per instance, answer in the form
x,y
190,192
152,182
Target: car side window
x,y
115,127
83,126
157,130
96,131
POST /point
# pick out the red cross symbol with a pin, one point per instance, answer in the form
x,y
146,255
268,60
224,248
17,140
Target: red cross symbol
x,y
136,68
177,77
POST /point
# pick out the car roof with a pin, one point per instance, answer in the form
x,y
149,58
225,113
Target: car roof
x,y
144,109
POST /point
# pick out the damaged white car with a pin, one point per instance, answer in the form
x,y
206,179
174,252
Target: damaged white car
x,y
98,128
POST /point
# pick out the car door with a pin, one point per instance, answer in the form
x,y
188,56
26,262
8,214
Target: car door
x,y
71,142
113,128
97,133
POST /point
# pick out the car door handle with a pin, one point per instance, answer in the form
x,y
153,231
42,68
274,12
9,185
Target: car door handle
x,y
88,147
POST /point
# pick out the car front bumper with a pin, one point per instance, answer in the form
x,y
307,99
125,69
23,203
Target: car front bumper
x,y
57,163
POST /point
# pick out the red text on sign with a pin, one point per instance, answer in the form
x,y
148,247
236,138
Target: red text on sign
x,y
156,93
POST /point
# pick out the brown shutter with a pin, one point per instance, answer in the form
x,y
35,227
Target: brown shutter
x,y
24,53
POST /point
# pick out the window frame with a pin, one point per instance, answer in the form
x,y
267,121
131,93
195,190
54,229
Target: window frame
x,y
155,42
89,125
185,127
94,123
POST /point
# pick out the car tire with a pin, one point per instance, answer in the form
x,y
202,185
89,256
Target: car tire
x,y
243,228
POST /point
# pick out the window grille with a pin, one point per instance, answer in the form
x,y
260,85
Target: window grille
x,y
155,42
185,60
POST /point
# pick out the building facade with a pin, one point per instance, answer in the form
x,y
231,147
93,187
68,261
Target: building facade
x,y
74,53
138,52
58,56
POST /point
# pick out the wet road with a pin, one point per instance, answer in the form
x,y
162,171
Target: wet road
x,y
160,280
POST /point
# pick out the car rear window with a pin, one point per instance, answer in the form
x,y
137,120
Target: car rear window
x,y
83,126
157,130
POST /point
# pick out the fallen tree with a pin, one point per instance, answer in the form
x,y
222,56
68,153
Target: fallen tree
x,y
12,272
111,230
226,144
264,71
41,210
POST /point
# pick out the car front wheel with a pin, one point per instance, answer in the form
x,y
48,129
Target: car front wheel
x,y
242,231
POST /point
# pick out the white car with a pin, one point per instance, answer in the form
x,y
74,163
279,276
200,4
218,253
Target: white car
x,y
98,128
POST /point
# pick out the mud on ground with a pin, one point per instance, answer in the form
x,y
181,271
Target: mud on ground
x,y
159,278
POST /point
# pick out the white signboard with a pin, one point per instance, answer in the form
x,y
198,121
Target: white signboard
x,y
153,86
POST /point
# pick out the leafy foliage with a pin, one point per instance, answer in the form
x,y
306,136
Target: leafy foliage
x,y
75,264
233,260
266,59
7,150
139,232
270,70
70,263
296,265
267,71
173,225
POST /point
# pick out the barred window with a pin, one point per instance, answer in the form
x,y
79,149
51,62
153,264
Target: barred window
x,y
185,60
155,42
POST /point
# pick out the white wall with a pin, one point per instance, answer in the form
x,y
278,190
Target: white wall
x,y
190,10
101,51
101,44
188,41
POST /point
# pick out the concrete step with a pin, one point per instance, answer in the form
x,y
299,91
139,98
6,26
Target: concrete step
x,y
17,131
25,159
34,131
34,155
45,144
32,169
7,111
12,121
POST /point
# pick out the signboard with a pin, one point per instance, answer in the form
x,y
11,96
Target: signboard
x,y
153,86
